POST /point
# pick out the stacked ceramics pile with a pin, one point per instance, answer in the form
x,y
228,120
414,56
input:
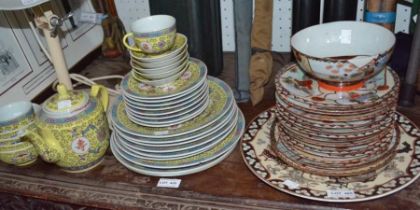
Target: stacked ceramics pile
x,y
171,120
177,124
335,133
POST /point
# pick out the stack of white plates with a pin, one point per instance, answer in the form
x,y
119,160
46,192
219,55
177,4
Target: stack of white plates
x,y
184,148
170,104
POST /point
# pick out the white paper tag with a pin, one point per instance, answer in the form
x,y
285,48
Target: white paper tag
x,y
64,104
27,2
343,193
291,184
415,18
88,17
159,133
169,183
345,36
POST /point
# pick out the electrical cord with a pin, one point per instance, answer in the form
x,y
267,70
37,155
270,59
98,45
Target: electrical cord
x,y
82,80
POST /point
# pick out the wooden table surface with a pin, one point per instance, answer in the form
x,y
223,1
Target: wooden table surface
x,y
229,184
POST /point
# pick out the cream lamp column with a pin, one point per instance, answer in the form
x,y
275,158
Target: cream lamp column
x,y
49,24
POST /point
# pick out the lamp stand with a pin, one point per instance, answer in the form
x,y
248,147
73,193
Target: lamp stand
x,y
49,24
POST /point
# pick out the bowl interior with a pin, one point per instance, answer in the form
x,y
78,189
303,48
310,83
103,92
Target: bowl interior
x,y
343,38
152,23
14,110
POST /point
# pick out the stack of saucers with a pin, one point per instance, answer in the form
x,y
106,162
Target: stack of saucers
x,y
334,133
169,104
162,68
179,149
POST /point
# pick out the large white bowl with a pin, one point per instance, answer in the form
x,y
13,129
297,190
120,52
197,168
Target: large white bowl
x,y
343,51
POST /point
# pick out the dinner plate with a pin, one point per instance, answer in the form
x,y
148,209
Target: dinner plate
x,y
170,120
286,125
341,118
169,172
385,103
350,152
331,124
343,166
302,124
173,112
186,138
293,82
173,155
165,150
222,147
222,100
401,171
169,103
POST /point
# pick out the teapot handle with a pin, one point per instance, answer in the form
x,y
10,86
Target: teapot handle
x,y
103,95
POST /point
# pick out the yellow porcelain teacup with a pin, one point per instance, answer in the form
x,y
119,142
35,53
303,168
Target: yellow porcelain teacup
x,y
14,120
154,34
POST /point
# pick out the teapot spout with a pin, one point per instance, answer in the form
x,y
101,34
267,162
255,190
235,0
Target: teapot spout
x,y
45,144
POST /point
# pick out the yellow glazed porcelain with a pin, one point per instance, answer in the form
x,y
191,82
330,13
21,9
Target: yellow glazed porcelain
x,y
14,120
72,129
153,34
19,154
152,45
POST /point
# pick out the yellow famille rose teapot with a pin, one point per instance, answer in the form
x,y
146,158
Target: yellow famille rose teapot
x,y
72,129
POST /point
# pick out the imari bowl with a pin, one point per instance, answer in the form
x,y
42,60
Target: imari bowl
x,y
344,52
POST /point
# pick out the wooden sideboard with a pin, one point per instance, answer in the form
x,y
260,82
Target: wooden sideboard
x,y
227,185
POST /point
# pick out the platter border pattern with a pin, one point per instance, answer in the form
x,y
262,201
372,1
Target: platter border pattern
x,y
253,163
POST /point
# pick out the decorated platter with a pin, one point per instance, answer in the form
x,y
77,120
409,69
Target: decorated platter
x,y
402,170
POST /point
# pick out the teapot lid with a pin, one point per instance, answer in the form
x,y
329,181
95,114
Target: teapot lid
x,y
66,102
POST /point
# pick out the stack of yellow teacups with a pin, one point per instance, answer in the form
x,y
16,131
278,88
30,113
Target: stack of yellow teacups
x,y
158,54
15,118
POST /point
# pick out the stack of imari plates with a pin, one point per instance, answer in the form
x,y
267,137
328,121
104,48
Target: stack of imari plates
x,y
180,128
333,146
335,133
